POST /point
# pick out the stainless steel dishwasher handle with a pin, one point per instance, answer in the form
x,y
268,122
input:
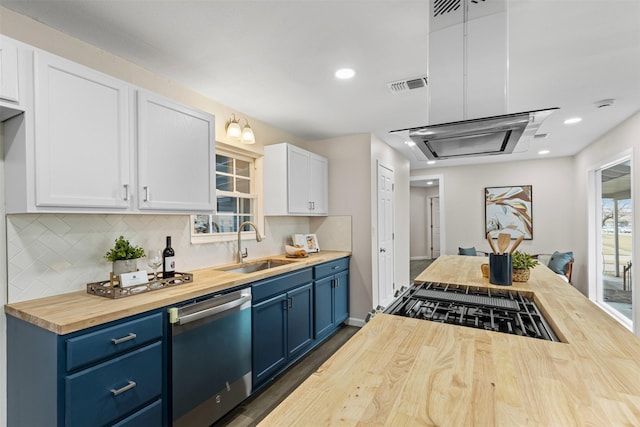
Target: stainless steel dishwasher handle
x,y
188,318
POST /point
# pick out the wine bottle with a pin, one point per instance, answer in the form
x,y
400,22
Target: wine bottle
x,y
168,260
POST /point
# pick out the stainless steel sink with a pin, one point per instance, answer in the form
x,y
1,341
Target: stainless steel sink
x,y
252,267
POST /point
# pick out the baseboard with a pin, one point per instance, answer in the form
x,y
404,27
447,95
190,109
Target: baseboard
x,y
419,258
352,321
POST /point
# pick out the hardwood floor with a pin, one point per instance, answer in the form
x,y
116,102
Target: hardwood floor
x,y
255,408
416,267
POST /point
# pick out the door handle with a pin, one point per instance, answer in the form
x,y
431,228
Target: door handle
x,y
383,250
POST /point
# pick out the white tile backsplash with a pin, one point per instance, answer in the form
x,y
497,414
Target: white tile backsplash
x,y
51,254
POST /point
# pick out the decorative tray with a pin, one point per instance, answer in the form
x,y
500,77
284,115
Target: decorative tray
x,y
112,289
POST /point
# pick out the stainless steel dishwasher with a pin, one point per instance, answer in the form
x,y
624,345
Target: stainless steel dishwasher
x,y
210,357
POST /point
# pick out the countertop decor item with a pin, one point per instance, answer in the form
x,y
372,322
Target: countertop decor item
x,y
124,256
521,262
113,289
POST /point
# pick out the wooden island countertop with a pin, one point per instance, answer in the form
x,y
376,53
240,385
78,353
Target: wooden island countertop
x,y
399,371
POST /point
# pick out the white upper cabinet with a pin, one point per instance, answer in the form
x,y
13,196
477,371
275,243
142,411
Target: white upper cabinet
x,y
80,146
295,181
176,156
8,70
82,139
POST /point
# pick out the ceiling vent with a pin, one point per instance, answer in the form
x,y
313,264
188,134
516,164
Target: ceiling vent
x,y
407,84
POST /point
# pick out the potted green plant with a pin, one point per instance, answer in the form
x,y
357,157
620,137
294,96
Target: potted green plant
x,y
124,256
521,263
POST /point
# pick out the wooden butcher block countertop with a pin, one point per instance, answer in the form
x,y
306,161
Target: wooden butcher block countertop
x,y
399,371
75,311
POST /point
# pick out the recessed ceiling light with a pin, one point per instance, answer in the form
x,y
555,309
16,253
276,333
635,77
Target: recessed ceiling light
x,y
431,162
542,152
573,120
429,182
410,143
345,73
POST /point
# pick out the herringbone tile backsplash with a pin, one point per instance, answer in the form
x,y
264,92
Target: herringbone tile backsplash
x,y
51,254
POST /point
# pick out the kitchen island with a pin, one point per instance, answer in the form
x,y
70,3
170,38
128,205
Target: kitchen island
x,y
405,371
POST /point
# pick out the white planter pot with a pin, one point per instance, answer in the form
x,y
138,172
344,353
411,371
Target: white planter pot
x,y
122,266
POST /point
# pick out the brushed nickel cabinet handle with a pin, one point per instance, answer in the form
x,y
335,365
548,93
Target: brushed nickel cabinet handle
x,y
146,193
129,337
121,390
126,192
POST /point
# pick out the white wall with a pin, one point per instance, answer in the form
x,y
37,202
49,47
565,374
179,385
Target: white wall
x,y
349,194
624,138
553,203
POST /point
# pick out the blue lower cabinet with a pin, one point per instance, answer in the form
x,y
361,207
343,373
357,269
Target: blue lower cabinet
x,y
299,320
114,374
269,337
323,309
112,389
282,326
331,296
150,415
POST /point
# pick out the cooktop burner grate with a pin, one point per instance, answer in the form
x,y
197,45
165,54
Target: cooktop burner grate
x,y
473,299
490,309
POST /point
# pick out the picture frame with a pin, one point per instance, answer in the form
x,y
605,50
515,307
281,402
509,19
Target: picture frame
x,y
308,242
509,209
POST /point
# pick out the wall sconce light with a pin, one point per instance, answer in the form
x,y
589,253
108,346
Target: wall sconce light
x,y
247,134
234,131
233,127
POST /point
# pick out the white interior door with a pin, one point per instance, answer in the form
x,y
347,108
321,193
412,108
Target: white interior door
x,y
435,227
386,265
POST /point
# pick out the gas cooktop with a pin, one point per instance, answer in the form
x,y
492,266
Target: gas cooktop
x,y
497,310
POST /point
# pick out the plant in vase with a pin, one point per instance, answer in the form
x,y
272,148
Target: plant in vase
x,y
521,263
124,256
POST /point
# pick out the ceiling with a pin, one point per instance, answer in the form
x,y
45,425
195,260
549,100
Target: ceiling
x,y
274,60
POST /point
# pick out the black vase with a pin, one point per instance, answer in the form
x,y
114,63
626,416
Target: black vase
x,y
500,269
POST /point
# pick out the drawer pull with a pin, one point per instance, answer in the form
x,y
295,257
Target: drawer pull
x,y
129,337
335,267
121,390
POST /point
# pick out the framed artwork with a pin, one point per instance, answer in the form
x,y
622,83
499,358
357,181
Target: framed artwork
x,y
308,242
509,210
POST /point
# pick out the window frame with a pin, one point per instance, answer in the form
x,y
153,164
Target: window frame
x,y
255,194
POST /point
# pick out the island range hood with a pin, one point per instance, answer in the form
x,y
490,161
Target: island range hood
x,y
477,137
468,100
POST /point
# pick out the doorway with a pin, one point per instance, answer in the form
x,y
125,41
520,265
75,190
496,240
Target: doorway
x,y
434,226
386,249
426,236
614,237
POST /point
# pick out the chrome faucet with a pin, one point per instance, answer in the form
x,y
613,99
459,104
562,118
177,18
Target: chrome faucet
x,y
245,254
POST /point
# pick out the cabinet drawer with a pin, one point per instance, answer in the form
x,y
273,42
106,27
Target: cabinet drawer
x,y
331,267
107,391
150,415
97,345
279,284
